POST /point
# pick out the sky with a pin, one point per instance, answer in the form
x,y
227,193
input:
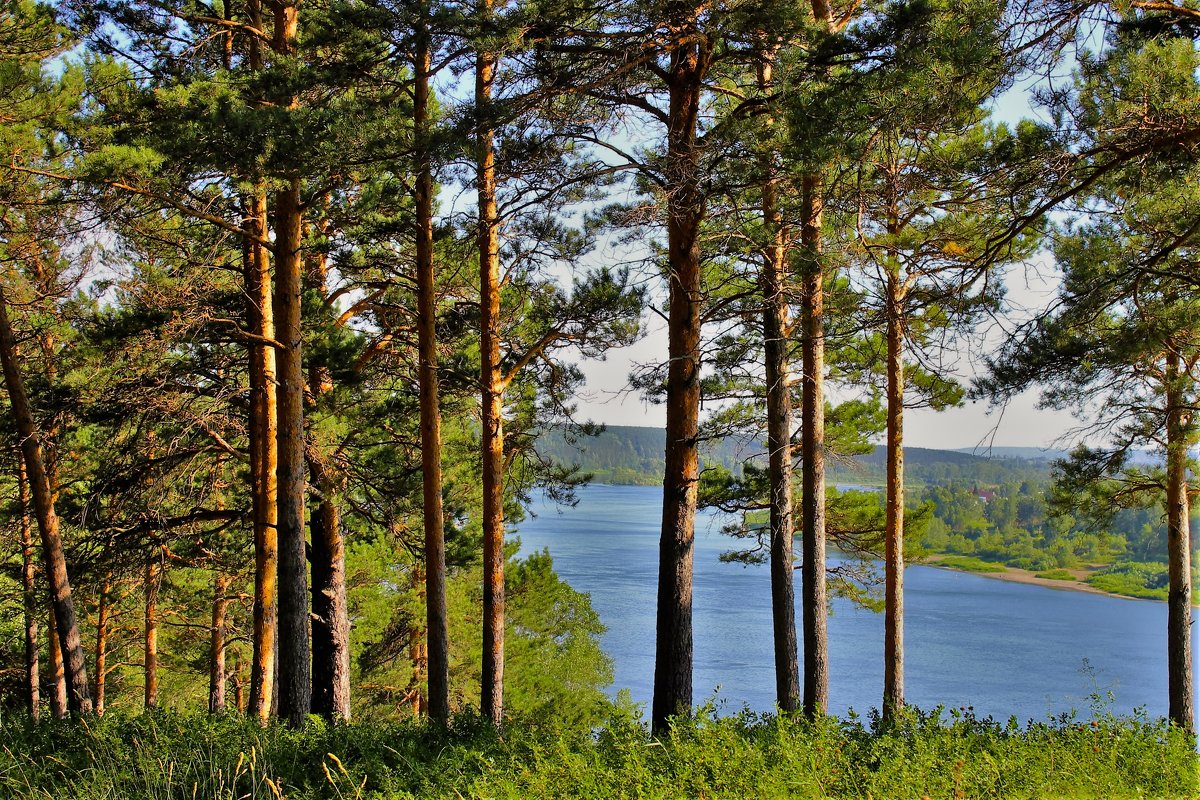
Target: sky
x,y
975,425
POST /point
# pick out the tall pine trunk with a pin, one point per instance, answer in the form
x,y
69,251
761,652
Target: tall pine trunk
x,y
776,343
685,210
263,428
1181,705
216,648
893,613
295,650
491,390
79,696
815,601
436,615
33,686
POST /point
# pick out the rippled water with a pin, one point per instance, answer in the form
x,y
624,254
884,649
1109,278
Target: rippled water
x,y
1004,648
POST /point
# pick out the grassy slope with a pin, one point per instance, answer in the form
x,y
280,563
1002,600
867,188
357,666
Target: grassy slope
x,y
166,756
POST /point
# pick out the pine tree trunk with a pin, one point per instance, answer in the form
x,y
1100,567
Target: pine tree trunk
x,y
263,428
150,662
295,652
893,613
492,392
102,614
1181,705
216,649
815,601
418,653
776,344
79,699
58,674
436,614
295,649
330,617
685,210
331,621
33,686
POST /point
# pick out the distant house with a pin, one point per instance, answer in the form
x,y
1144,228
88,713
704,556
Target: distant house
x,y
986,495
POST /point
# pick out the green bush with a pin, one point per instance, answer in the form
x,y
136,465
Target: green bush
x,y
167,756
1056,575
968,564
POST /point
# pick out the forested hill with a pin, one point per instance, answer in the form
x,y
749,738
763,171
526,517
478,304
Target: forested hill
x,y
628,454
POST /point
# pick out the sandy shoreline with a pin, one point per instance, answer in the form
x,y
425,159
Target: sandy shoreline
x,y
1015,575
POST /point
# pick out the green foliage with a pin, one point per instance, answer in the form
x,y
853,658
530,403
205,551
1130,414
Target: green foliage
x,y
166,756
1137,579
1056,575
969,564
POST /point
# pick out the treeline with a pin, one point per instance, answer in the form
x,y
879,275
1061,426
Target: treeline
x,y
291,290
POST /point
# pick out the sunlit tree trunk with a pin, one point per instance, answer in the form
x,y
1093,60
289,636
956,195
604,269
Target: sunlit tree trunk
x,y
436,615
264,430
79,696
418,653
103,609
216,649
33,686
492,391
264,421
1181,705
685,210
150,663
58,671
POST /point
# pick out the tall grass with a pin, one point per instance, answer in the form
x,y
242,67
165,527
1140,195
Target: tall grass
x,y
169,756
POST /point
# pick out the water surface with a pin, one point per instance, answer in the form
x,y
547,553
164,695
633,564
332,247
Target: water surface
x,y
1002,648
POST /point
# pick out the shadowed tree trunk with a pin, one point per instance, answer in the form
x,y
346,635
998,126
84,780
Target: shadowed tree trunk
x,y
79,697
33,687
685,210
815,600
893,620
776,340
295,650
216,649
1181,705
330,617
436,615
492,392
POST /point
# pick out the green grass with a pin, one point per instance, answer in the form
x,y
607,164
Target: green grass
x,y
163,756
969,564
1056,575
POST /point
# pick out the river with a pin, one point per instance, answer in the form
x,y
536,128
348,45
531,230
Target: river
x,y
1004,649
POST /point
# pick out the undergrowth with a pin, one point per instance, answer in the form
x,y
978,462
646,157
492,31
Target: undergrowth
x,y
166,756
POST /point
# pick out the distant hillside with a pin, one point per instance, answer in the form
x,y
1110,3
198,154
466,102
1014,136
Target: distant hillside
x,y
1027,453
627,454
